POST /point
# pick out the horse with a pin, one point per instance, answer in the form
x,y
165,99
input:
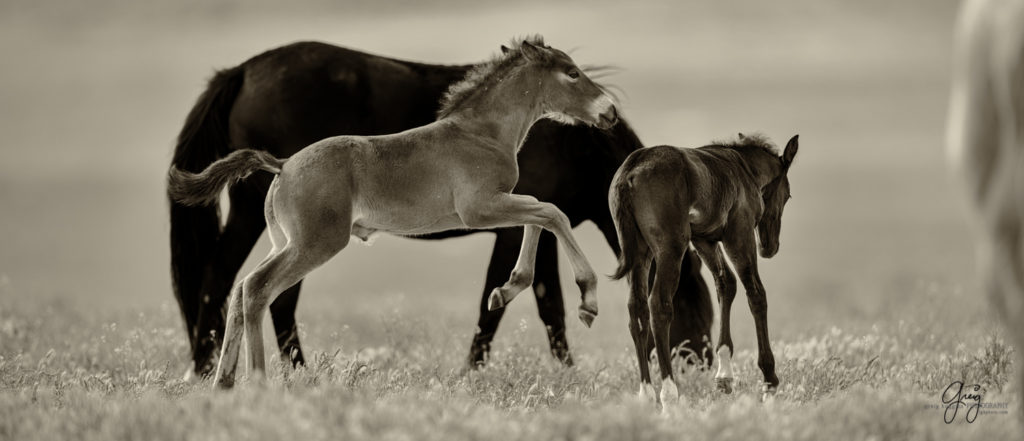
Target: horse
x,y
663,199
985,143
289,97
455,173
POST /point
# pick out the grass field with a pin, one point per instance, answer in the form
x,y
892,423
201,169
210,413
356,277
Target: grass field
x,y
874,308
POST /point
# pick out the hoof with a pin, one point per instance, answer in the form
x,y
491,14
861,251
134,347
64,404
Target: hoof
x,y
724,385
495,300
587,317
768,392
223,383
190,377
669,392
647,393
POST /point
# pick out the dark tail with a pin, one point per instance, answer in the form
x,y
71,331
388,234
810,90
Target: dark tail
x,y
625,224
204,188
194,230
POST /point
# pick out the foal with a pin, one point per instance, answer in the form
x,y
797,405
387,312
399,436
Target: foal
x,y
457,172
664,198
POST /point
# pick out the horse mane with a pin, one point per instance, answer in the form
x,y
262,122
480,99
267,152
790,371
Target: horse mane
x,y
755,140
458,93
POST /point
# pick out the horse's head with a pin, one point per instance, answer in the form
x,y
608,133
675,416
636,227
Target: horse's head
x,y
566,94
775,195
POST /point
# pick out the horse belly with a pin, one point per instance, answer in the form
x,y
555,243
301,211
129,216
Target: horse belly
x,y
406,219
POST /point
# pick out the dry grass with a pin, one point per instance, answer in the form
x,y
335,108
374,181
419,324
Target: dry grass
x,y
68,375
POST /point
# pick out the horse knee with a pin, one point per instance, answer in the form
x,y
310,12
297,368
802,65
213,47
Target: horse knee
x,y
521,277
554,219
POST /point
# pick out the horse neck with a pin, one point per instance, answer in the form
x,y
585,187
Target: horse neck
x,y
763,165
504,111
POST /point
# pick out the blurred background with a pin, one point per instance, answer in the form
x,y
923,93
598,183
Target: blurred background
x,y
92,95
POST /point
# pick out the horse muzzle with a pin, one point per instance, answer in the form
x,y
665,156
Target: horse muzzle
x,y
608,118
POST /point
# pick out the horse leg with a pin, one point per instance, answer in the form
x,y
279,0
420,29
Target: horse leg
x,y
282,312
233,331
742,251
668,254
547,288
504,210
551,310
693,314
725,284
640,325
241,231
522,273
228,361
506,242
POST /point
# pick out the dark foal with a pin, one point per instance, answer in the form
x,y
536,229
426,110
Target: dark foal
x,y
287,98
665,198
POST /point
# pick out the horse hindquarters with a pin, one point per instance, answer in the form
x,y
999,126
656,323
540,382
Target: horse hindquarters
x,y
304,234
646,208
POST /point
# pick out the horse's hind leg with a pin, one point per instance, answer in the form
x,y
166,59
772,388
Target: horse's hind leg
x,y
228,362
241,231
282,311
741,249
640,324
668,255
725,284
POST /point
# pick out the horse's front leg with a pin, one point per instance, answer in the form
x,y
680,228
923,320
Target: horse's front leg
x,y
742,251
482,211
522,273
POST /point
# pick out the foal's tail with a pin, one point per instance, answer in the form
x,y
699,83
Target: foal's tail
x,y
204,188
631,241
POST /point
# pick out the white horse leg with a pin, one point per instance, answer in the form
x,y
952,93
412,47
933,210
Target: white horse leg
x,y
724,374
225,376
506,210
522,274
725,284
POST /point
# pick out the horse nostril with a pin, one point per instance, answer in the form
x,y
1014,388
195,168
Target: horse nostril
x,y
610,116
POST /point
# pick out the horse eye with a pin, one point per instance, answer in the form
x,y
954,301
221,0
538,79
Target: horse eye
x,y
574,74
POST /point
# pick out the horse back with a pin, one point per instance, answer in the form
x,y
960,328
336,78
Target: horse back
x,y
297,94
700,186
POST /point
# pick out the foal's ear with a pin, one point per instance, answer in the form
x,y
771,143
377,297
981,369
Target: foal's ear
x,y
504,49
790,152
530,51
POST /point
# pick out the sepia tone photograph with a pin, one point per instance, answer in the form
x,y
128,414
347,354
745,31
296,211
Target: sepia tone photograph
x,y
531,220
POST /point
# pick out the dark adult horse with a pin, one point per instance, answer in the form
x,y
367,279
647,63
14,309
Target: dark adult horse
x,y
287,98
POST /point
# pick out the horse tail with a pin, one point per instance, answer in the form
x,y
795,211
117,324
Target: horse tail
x,y
204,188
194,230
630,240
